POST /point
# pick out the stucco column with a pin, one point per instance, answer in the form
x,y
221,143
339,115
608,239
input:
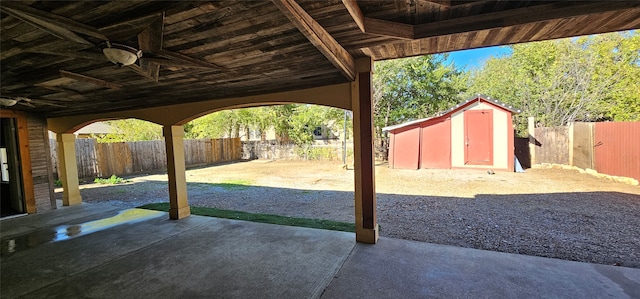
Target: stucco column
x,y
68,169
364,158
178,204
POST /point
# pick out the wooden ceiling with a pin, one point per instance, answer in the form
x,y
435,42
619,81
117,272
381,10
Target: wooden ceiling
x,y
51,59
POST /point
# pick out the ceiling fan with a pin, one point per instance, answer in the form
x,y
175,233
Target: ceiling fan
x,y
145,59
8,101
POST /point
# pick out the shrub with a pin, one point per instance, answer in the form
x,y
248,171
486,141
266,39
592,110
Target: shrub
x,y
113,180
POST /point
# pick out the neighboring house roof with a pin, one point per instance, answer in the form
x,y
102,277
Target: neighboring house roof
x,y
96,128
478,97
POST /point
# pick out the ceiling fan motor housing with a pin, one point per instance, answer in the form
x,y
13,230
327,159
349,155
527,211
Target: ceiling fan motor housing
x,y
121,55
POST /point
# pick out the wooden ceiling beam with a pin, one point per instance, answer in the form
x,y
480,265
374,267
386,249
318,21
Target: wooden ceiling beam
x,y
479,22
185,60
150,39
56,25
443,3
388,28
92,80
319,37
355,12
59,89
516,17
377,26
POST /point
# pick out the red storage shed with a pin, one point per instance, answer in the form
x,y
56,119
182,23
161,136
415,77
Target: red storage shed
x,y
477,133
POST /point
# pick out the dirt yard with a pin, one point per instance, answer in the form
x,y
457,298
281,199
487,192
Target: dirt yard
x,y
545,212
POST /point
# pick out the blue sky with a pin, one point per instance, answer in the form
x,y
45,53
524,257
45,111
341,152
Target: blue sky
x,y
475,57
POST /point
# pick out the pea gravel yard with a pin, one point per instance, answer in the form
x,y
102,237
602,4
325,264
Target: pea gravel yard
x,y
544,212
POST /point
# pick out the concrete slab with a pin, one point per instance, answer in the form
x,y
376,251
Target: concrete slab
x,y
72,214
98,252
405,269
193,257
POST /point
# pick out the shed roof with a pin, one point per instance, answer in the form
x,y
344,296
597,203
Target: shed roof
x,y
478,97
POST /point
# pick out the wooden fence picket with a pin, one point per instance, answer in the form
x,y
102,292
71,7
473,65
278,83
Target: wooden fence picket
x,y
126,158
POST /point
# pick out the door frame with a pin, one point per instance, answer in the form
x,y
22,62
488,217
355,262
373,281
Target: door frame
x,y
25,158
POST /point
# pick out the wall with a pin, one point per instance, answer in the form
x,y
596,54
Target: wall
x,y
406,148
435,147
501,152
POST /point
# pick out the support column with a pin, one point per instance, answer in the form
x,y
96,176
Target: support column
x,y
178,204
364,158
68,169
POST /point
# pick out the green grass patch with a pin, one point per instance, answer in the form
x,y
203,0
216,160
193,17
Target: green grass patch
x,y
232,184
263,218
113,180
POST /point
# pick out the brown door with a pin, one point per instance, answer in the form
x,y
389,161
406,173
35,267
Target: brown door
x,y
10,170
478,135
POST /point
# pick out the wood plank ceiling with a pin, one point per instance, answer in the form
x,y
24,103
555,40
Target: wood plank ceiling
x,y
52,63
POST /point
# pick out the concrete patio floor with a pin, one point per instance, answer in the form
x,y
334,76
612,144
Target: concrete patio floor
x,y
99,251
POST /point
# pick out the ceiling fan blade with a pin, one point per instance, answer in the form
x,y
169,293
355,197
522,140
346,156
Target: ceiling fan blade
x,y
41,102
150,39
144,73
91,80
179,59
94,56
25,103
56,25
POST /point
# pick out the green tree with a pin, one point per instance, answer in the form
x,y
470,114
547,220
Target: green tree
x,y
213,125
306,118
561,81
132,130
292,122
413,88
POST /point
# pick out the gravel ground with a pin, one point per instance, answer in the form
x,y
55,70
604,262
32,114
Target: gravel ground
x,y
544,212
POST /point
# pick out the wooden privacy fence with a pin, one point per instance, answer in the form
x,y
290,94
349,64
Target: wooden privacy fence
x,y
125,158
608,147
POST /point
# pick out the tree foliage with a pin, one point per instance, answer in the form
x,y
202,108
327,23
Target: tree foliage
x,y
306,118
294,122
560,81
413,88
131,130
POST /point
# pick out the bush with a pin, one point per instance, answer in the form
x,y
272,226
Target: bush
x,y
113,180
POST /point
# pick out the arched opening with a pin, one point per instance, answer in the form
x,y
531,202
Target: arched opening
x,y
274,175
